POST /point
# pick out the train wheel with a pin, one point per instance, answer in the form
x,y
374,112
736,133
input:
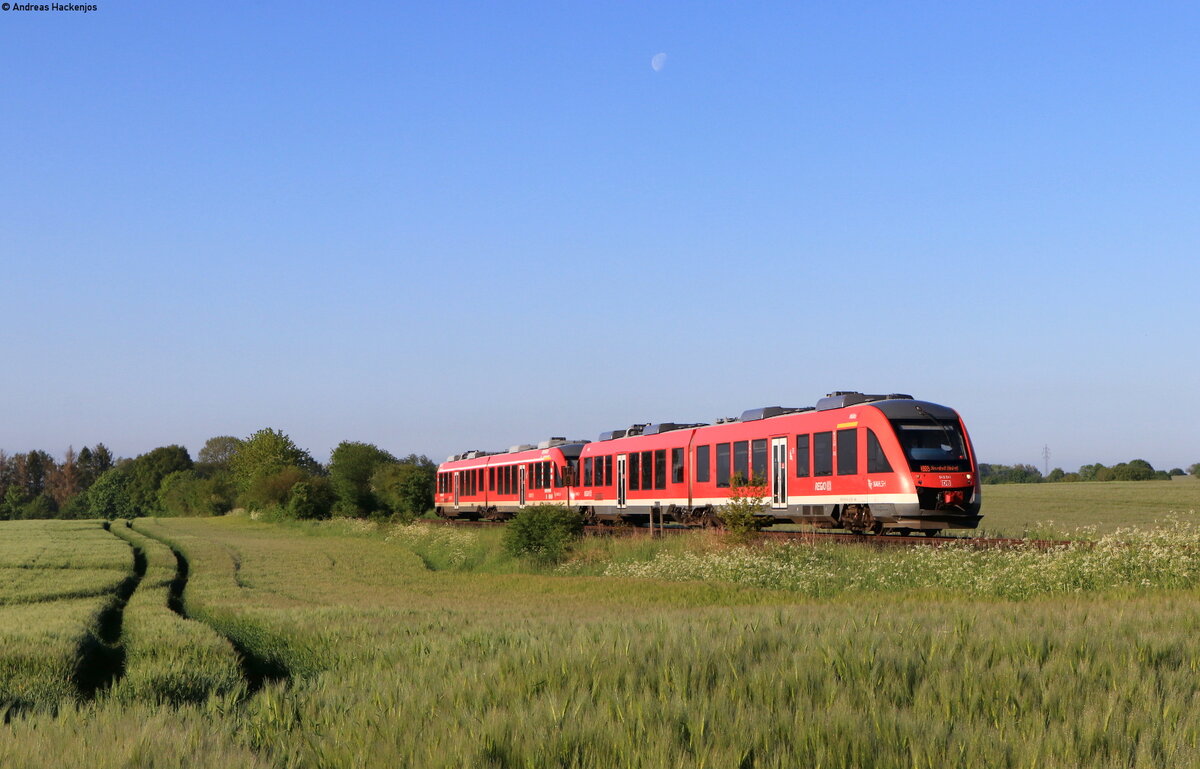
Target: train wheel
x,y
905,532
877,528
932,532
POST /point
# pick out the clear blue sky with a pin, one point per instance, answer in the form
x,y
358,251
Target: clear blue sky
x,y
445,226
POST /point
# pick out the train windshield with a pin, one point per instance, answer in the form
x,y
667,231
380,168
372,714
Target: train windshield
x,y
932,445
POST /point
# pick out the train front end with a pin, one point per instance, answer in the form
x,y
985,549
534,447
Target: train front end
x,y
941,464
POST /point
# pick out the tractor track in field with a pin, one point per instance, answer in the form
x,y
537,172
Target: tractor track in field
x,y
257,670
100,655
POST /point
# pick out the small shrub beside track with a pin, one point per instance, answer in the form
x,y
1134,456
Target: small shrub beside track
x,y
543,533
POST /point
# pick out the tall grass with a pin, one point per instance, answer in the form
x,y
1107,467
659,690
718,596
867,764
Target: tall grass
x,y
454,667
169,659
38,644
1133,559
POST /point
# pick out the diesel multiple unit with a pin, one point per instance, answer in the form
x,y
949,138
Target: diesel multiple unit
x,y
854,461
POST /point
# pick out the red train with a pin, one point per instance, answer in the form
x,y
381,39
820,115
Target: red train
x,y
854,461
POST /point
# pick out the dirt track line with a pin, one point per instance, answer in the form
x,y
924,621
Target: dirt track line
x,y
100,655
257,670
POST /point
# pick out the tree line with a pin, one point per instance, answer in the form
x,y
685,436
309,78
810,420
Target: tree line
x,y
1134,470
265,473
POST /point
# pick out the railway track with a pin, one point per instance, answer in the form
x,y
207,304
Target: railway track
x,y
814,536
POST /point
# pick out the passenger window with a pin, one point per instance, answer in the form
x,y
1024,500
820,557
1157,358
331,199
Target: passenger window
x,y
758,461
635,471
676,465
702,464
876,460
741,460
587,472
847,447
822,454
608,470
801,456
647,471
660,469
722,465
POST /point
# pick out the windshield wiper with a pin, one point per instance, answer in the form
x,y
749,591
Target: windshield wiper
x,y
945,430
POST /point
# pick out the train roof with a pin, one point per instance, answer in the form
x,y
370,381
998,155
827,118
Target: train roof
x,y
893,406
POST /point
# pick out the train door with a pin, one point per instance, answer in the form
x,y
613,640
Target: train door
x,y
621,481
521,485
456,490
779,474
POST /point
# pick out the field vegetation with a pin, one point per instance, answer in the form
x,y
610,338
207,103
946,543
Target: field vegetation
x,y
1057,509
370,644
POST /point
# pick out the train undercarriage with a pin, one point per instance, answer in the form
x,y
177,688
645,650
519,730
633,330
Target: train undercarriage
x,y
856,518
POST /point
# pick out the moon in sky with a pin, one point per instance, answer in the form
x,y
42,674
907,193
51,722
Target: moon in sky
x,y
658,62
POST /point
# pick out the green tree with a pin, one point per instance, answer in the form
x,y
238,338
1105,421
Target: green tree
x,y
405,488
311,498
14,503
273,490
1135,470
146,474
267,453
93,463
109,496
217,454
187,493
1195,470
351,466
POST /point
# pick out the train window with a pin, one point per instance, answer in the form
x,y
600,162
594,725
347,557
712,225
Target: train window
x,y
660,469
480,486
801,456
647,470
676,465
608,470
587,471
722,465
822,454
491,479
758,461
847,450
558,478
702,464
876,460
741,460
635,475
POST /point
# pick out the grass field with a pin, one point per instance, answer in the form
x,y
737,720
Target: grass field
x,y
373,646
1011,509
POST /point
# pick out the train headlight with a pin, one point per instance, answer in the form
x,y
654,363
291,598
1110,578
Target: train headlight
x,y
968,476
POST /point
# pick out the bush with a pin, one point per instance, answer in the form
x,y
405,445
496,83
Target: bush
x,y
743,515
543,533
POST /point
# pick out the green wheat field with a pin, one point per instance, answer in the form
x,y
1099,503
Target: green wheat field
x,y
228,642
